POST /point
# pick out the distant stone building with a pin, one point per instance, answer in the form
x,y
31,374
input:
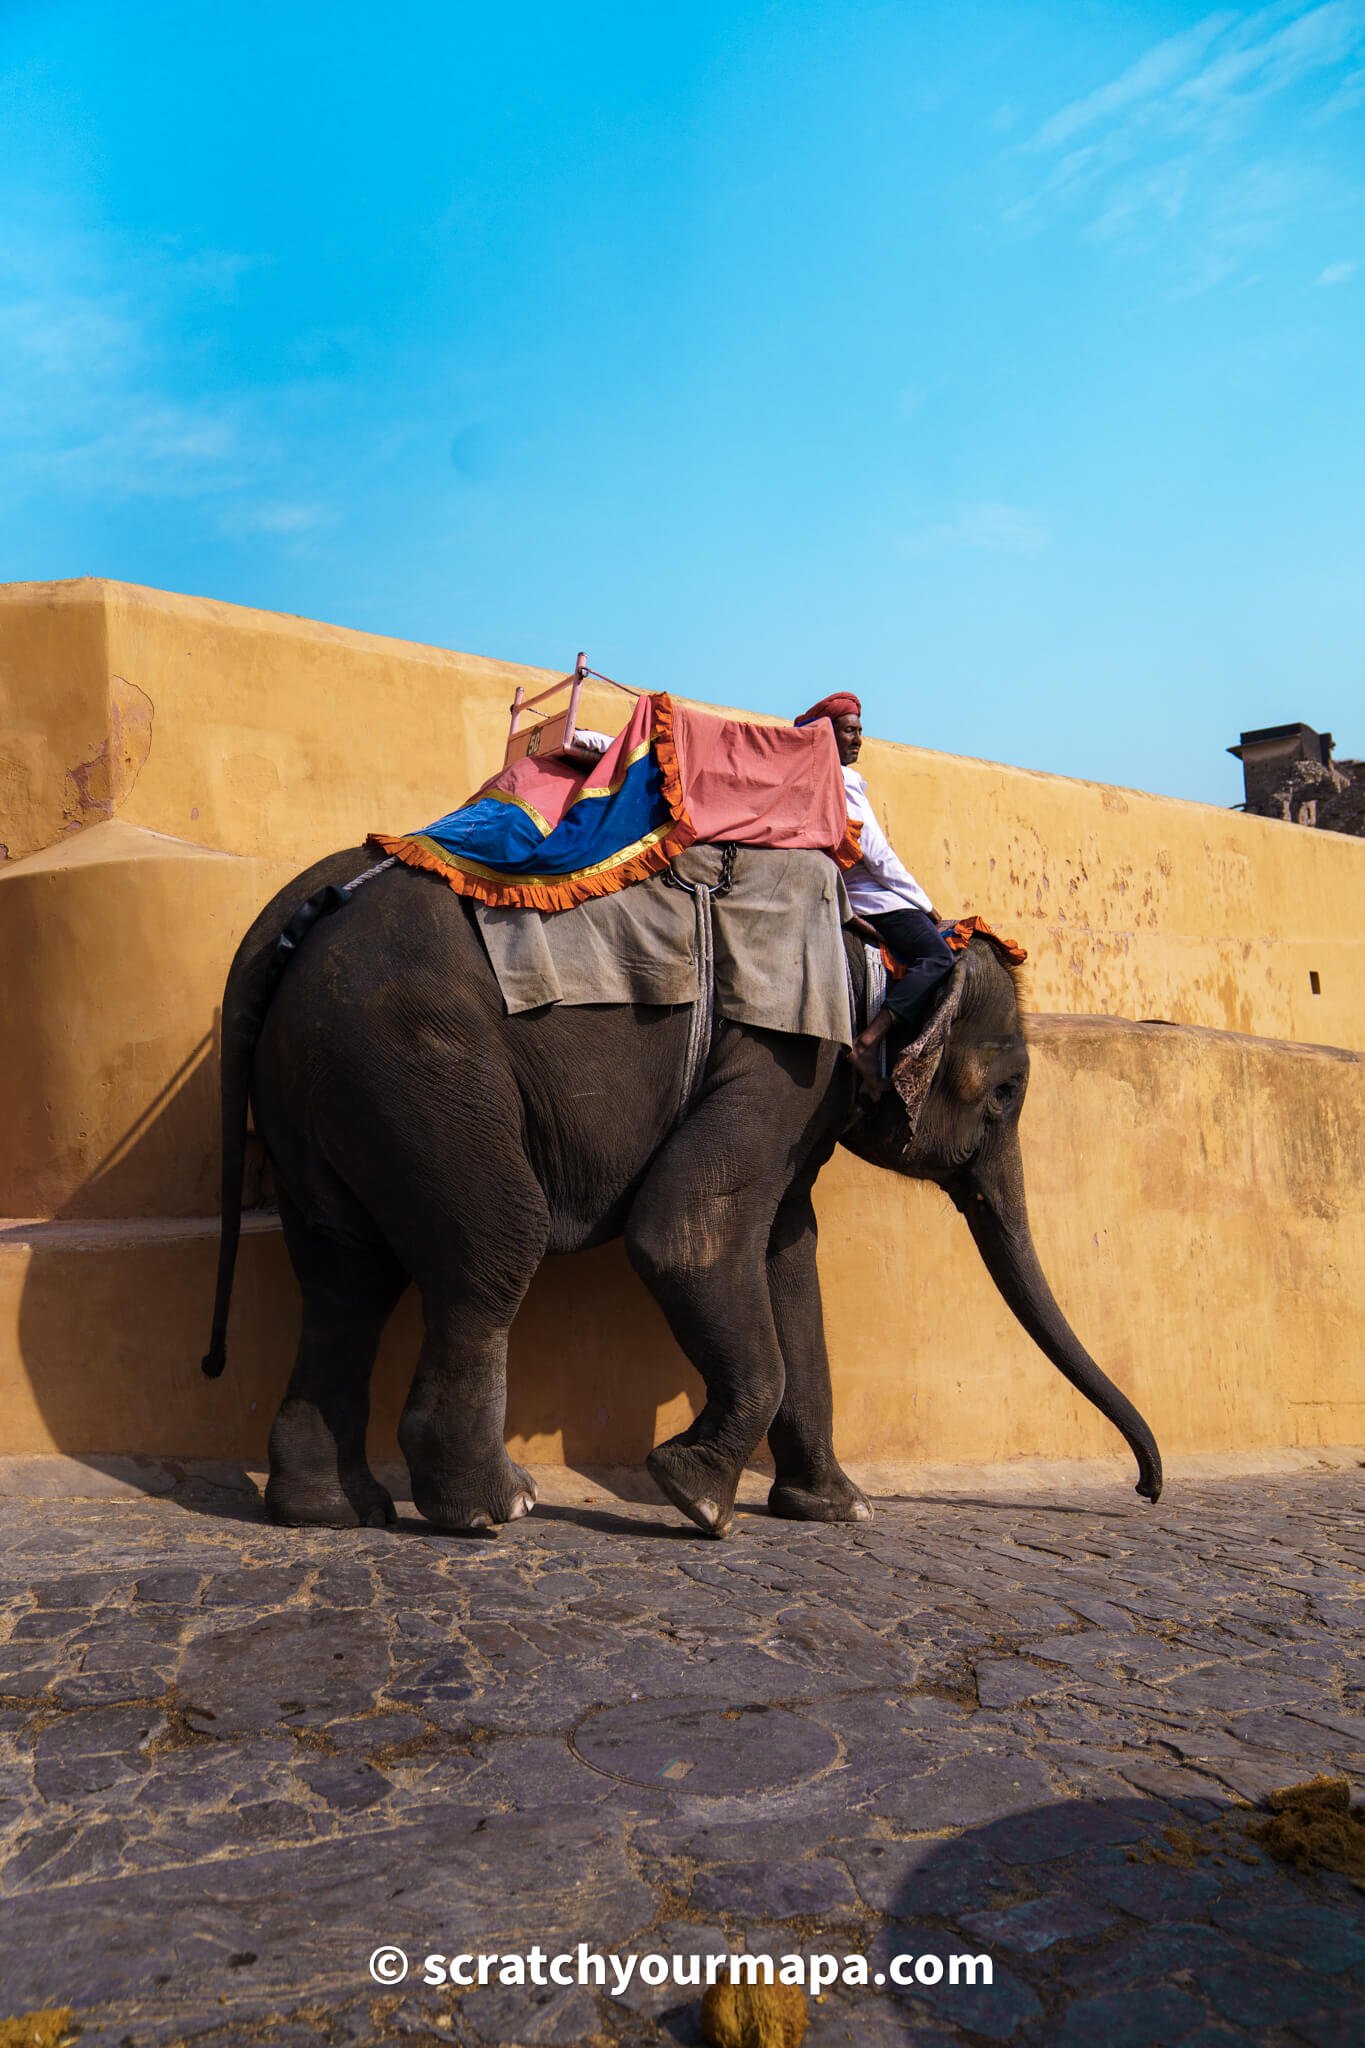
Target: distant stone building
x,y
1290,774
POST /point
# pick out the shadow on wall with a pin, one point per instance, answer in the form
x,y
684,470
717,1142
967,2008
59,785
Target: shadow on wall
x,y
116,1304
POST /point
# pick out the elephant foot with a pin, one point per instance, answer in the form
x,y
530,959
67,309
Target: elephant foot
x,y
318,1475
352,1502
835,1499
695,1483
476,1503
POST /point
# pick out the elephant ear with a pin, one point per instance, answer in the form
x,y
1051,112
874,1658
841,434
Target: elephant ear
x,y
913,1074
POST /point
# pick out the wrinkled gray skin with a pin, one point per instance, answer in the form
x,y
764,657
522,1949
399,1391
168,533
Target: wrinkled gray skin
x,y
416,1133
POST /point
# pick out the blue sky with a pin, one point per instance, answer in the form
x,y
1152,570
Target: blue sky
x,y
1003,362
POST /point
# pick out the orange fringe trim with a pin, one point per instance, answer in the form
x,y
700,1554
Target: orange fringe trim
x,y
968,928
957,938
568,890
561,894
666,754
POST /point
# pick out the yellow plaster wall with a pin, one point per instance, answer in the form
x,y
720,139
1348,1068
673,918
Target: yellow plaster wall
x,y
1140,906
114,944
1198,1201
256,734
167,762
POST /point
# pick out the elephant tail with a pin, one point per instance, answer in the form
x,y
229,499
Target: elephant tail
x,y
252,980
238,1044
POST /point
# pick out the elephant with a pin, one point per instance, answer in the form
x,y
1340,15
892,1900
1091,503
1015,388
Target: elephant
x,y
418,1134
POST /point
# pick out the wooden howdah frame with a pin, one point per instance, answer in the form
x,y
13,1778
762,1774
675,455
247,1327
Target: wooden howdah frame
x,y
533,731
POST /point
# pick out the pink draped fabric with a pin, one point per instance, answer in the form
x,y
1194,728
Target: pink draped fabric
x,y
760,785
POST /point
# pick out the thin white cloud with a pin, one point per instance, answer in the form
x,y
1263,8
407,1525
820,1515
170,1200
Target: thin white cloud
x,y
152,449
88,403
1161,66
1157,157
991,526
1325,36
1336,273
284,518
1349,95
1161,192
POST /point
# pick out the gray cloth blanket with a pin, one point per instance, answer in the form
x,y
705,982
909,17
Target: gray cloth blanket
x,y
779,951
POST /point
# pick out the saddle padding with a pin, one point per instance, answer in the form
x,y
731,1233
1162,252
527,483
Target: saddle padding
x,y
778,934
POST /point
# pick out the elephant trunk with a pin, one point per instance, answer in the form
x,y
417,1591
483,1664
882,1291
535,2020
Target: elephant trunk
x,y
991,1197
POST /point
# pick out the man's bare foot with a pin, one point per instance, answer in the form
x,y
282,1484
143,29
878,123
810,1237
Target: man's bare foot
x,y
864,1058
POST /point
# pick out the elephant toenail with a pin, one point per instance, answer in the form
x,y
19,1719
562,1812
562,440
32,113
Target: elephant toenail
x,y
862,1511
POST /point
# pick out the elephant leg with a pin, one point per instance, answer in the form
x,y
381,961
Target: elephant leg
x,y
439,1160
696,1235
810,1485
318,1470
451,1431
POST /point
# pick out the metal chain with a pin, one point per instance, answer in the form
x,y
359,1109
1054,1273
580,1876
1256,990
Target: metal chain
x,y
724,881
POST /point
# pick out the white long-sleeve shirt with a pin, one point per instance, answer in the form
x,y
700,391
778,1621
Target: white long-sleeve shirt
x,y
880,881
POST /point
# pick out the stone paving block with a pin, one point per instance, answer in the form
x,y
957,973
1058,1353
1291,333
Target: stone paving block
x,y
996,2010
28,1672
57,1854
1162,2016
1047,1833
684,1940
260,1587
712,1843
48,1624
1149,1891
347,1784
968,1789
1330,2030
818,1889
81,1591
374,1731
479,1745
1261,2001
930,1878
109,1688
1351,1726
310,1914
712,1750
1326,1937
557,2018
82,1753
169,1588
1038,1924
1176,1949
239,1680
1217,2034
866,2019
1005,1681
909,1731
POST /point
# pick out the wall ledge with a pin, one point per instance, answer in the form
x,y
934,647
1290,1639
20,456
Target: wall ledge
x,y
1055,1026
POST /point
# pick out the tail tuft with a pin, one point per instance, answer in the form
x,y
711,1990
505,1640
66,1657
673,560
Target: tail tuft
x,y
212,1363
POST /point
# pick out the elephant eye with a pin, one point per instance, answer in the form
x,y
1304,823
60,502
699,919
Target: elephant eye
x,y
1006,1092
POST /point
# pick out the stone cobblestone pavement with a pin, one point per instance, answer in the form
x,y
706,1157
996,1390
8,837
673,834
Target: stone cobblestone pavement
x,y
234,1759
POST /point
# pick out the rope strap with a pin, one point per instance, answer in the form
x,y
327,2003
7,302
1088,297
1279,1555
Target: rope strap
x,y
702,1023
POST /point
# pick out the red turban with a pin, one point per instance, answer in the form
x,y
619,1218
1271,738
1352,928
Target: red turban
x,y
842,702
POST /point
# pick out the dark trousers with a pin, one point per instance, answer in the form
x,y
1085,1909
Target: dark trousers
x,y
914,938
